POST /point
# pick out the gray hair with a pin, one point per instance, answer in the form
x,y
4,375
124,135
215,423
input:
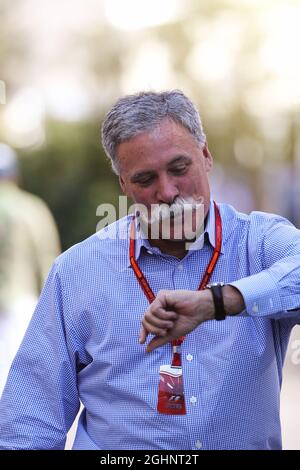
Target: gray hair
x,y
134,114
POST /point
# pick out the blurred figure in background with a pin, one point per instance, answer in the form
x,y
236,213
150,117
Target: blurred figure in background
x,y
29,243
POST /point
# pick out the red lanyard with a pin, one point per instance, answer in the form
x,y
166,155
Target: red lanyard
x,y
204,281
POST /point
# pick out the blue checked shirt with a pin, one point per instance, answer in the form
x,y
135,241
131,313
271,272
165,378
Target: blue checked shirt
x,y
82,345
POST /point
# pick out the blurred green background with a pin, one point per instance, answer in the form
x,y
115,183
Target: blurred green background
x,y
72,174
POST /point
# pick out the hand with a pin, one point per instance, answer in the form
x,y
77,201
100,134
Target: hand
x,y
175,313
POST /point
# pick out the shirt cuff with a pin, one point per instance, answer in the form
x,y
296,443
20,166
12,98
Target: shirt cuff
x,y
261,294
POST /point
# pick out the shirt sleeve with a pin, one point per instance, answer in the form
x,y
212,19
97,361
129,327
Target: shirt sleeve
x,y
275,291
40,400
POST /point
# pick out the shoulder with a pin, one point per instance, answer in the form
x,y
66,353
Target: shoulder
x,y
254,218
253,225
32,201
106,248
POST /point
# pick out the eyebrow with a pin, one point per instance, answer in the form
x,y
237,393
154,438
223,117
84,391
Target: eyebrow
x,y
144,174
180,159
141,174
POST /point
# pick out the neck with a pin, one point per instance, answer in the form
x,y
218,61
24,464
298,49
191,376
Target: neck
x,y
173,248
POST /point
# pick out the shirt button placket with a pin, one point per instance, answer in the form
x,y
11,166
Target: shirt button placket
x,y
198,444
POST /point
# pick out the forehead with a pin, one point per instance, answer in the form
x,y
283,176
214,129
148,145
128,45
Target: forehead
x,y
160,144
166,133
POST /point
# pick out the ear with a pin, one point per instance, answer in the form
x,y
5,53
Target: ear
x,y
208,159
122,184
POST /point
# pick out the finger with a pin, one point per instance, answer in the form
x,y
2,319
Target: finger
x,y
157,342
157,322
166,299
163,314
154,329
143,335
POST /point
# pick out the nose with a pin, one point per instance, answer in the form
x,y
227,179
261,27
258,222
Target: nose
x,y
167,190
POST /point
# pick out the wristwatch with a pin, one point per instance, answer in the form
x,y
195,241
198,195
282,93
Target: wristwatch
x,y
216,290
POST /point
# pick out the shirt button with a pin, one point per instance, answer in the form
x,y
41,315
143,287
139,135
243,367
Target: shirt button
x,y
189,357
255,308
180,267
198,444
193,400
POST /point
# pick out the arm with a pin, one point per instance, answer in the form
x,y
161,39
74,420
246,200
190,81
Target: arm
x,y
272,293
40,400
176,313
275,291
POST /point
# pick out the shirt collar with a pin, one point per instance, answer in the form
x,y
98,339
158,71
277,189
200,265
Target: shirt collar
x,y
198,244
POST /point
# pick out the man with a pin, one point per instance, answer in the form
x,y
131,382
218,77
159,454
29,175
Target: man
x,y
28,246
217,388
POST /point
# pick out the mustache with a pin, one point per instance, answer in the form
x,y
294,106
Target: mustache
x,y
181,205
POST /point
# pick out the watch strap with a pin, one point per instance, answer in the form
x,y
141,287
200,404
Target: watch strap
x,y
217,294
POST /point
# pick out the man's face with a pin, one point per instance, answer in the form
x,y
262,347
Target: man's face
x,y
160,165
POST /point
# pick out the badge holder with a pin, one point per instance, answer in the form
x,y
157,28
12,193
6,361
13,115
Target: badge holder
x,y
170,390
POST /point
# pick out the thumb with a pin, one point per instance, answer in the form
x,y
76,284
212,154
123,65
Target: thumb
x,y
157,342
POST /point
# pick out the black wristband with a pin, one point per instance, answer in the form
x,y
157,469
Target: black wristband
x,y
217,294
